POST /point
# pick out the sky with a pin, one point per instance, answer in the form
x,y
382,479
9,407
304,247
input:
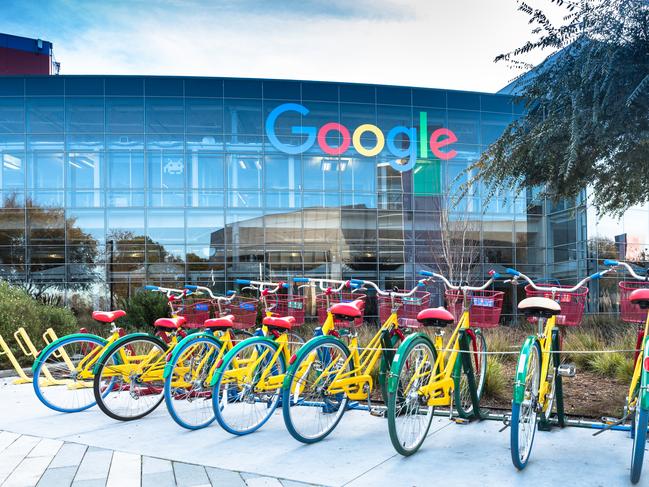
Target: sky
x,y
427,43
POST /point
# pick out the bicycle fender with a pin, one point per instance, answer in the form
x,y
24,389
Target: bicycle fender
x,y
56,343
179,346
521,369
235,350
118,343
644,381
310,345
393,380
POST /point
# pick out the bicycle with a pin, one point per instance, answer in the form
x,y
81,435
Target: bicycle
x,y
326,373
127,377
63,369
248,383
538,382
634,303
189,370
426,374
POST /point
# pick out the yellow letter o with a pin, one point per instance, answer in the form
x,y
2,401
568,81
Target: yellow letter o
x,y
380,140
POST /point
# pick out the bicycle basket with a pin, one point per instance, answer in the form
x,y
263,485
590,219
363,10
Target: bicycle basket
x,y
288,305
484,306
335,298
572,304
631,312
409,307
244,310
195,311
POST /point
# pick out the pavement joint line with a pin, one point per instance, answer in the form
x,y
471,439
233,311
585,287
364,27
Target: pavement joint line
x,y
23,458
430,433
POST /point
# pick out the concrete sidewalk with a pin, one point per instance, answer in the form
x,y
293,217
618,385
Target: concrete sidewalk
x,y
358,453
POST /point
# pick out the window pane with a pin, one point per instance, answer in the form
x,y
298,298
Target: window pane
x,y
12,115
125,115
85,115
202,224
205,171
204,116
85,225
166,226
283,172
243,117
166,169
45,170
12,172
321,173
165,115
244,171
126,170
84,170
45,115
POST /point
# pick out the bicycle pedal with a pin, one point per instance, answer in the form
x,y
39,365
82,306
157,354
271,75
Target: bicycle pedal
x,y
507,422
461,421
567,370
379,413
609,420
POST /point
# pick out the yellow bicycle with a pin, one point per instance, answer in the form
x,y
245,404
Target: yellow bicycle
x,y
426,373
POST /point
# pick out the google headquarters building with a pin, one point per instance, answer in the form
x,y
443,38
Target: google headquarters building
x,y
112,182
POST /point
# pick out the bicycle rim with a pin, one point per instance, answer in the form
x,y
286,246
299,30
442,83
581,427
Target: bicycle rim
x,y
524,424
187,389
478,359
241,401
63,378
128,385
409,415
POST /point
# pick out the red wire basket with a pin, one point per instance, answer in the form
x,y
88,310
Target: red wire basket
x,y
631,312
409,307
322,305
244,310
288,305
484,306
195,311
572,304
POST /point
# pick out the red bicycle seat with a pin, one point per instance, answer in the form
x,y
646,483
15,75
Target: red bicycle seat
x,y
284,322
350,310
222,322
435,317
108,316
170,323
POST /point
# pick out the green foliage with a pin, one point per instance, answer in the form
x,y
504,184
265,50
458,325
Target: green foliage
x,y
586,120
19,309
143,308
496,382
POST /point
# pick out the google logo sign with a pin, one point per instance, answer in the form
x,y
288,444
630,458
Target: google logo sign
x,y
439,141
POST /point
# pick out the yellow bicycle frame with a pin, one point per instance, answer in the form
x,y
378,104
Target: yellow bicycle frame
x,y
545,340
634,387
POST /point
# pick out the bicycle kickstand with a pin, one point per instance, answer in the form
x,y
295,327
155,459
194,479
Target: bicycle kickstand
x,y
612,424
506,423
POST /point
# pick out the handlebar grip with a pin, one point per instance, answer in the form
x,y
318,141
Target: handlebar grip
x,y
426,273
597,275
421,284
151,288
357,282
286,285
611,262
191,287
300,279
243,282
512,272
497,275
230,292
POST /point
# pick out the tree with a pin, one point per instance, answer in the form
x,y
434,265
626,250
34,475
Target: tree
x,y
586,122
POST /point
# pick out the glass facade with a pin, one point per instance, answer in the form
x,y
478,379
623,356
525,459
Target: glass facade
x,y
112,182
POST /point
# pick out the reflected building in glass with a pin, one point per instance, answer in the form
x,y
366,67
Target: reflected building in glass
x,y
110,182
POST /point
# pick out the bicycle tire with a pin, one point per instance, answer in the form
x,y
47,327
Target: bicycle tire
x,y
478,358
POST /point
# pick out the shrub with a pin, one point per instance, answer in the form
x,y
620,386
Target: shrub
x,y
143,308
19,309
496,382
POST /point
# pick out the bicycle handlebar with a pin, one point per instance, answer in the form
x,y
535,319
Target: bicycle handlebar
x,y
202,289
615,263
361,282
593,277
271,287
167,290
433,275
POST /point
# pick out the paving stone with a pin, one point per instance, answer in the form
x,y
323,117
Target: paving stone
x,y
125,470
7,438
293,483
188,475
94,466
11,456
70,455
263,482
57,477
224,478
157,472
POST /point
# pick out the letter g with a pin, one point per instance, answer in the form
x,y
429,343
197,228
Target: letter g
x,y
310,132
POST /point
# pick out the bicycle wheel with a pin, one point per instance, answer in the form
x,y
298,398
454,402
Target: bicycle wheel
x,y
128,384
295,342
641,422
241,403
409,415
63,374
187,390
461,391
311,412
524,413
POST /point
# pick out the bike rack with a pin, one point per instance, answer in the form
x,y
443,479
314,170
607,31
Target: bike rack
x,y
29,350
5,350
